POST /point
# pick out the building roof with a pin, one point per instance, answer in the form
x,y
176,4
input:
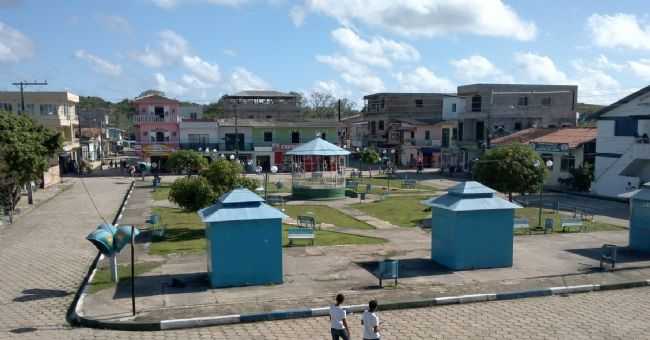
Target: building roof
x,y
410,94
523,136
574,137
262,94
239,205
276,123
318,147
470,196
620,102
418,121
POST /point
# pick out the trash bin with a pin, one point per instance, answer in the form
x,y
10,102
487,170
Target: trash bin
x,y
362,196
388,269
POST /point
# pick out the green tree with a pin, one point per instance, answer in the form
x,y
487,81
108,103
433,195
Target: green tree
x,y
581,178
191,193
187,161
224,175
510,169
370,157
25,151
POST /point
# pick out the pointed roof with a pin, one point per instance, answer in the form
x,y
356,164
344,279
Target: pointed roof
x,y
470,196
239,205
318,147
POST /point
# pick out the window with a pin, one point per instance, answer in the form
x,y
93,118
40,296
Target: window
x,y
460,131
568,163
160,136
523,101
47,109
193,116
547,157
29,108
383,102
427,135
323,135
476,103
412,134
198,138
454,134
373,128
268,136
7,107
445,137
295,137
381,125
419,103
480,131
453,107
626,127
517,126
159,111
546,101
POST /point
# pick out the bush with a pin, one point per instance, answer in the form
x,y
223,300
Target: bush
x,y
581,178
187,162
191,193
248,183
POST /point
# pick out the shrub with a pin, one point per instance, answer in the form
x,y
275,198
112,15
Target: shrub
x,y
187,161
191,193
581,178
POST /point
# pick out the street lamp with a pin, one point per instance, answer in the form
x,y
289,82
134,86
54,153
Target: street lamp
x,y
538,164
232,157
274,169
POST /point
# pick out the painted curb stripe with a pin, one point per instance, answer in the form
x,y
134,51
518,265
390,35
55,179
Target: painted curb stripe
x,y
276,315
523,294
624,285
199,322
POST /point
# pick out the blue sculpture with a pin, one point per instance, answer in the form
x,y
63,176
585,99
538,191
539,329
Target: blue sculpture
x,y
110,240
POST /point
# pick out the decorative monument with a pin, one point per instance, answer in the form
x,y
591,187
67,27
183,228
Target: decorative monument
x,y
318,170
640,219
244,237
471,228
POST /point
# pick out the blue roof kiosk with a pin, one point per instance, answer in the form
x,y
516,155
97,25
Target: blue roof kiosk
x,y
471,228
640,219
244,237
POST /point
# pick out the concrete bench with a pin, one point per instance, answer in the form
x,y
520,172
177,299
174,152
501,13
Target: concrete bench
x,y
300,234
521,223
409,183
306,222
351,185
568,223
275,200
608,254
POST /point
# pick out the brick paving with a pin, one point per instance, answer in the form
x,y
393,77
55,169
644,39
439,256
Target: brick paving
x,y
44,256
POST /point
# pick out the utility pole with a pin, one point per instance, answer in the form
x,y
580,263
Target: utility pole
x,y
30,197
22,94
234,107
339,109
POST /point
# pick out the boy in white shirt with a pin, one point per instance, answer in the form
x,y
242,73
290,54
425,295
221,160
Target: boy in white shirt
x,y
370,322
338,323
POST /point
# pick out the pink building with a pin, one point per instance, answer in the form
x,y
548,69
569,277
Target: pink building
x,y
156,126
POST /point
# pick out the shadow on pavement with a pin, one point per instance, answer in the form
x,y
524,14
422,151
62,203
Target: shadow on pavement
x,y
409,268
40,294
163,285
625,254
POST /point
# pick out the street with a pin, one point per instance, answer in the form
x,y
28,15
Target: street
x,y
45,255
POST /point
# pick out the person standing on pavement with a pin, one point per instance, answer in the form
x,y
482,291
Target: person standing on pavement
x,y
370,322
338,323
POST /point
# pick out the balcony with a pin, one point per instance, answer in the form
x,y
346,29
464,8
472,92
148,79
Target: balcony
x,y
231,147
154,118
166,141
197,146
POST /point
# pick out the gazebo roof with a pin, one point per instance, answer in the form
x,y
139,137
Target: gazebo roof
x,y
239,205
470,196
318,147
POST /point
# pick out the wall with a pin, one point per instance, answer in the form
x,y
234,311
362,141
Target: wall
x,y
205,128
447,105
51,176
282,135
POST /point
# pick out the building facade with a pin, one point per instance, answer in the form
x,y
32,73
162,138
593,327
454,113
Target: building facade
x,y
623,145
156,123
199,134
273,105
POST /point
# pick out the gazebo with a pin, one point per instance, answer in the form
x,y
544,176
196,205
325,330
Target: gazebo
x,y
317,170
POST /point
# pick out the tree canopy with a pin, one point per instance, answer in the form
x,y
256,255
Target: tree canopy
x,y
25,151
187,161
224,175
509,169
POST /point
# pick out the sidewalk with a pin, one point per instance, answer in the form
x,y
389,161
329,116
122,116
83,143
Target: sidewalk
x,y
39,196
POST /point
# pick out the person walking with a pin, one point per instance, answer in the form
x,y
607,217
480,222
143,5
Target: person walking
x,y
338,323
370,322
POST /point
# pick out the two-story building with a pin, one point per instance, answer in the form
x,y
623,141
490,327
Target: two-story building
x,y
56,111
156,123
623,145
199,134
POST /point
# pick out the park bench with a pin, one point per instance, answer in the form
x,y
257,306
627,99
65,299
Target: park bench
x,y
362,193
521,223
408,183
608,254
300,234
351,185
548,227
388,270
306,222
568,223
275,200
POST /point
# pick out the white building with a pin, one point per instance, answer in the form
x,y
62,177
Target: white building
x,y
622,145
198,133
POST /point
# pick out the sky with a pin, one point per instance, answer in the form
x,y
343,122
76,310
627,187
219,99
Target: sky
x,y
198,50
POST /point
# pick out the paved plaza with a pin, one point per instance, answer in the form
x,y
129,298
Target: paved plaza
x,y
45,255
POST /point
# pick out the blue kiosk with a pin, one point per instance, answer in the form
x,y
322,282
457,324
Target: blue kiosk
x,y
244,237
471,228
640,219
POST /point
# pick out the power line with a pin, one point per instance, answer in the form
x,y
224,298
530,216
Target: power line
x,y
22,94
92,201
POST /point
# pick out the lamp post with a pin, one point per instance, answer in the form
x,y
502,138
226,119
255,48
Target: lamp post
x,y
274,169
538,164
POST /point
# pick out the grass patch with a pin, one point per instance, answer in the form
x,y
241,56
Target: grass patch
x,y
102,278
330,238
161,193
532,214
325,214
184,232
403,211
395,184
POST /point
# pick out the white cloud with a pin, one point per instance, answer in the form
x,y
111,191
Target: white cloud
x,y
478,68
619,30
604,63
14,46
378,51
169,4
297,15
201,69
353,73
116,23
242,79
148,58
540,68
230,52
641,68
423,80
98,64
430,17
173,44
168,86
331,87
195,82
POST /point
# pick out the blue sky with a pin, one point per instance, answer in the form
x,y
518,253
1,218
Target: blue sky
x,y
200,49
